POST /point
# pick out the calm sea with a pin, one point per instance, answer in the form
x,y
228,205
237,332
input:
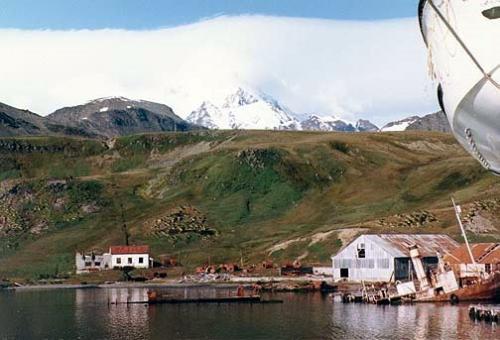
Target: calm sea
x,y
86,314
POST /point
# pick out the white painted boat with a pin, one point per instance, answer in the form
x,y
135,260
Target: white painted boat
x,y
463,40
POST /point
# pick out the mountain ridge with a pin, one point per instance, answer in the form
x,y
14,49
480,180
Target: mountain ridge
x,y
118,116
241,109
247,109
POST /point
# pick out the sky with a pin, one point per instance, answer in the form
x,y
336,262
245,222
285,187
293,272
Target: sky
x,y
151,14
349,59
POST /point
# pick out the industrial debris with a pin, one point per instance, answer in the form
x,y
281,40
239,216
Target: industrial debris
x,y
295,269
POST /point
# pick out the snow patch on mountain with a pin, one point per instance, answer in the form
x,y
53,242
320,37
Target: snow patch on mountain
x,y
111,98
399,125
319,123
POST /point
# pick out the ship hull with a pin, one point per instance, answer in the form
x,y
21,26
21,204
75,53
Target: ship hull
x,y
486,290
470,99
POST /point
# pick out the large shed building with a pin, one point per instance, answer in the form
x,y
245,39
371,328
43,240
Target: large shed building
x,y
386,257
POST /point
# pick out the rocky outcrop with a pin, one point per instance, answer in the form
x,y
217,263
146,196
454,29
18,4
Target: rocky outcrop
x,y
16,122
412,220
32,208
184,222
431,122
479,217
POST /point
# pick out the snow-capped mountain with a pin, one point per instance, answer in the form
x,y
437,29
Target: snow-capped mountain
x,y
245,109
364,125
400,125
318,123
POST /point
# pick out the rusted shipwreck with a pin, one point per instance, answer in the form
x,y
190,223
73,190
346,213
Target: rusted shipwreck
x,y
466,273
454,283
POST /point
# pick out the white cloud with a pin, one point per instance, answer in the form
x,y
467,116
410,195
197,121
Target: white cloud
x,y
375,70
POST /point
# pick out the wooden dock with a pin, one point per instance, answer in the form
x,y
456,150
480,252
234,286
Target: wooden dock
x,y
218,300
231,299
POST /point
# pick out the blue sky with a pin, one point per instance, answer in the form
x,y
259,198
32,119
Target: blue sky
x,y
150,14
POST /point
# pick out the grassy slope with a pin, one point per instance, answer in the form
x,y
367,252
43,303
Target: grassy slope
x,y
257,189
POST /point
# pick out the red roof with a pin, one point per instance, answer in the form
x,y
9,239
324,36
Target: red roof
x,y
122,250
482,252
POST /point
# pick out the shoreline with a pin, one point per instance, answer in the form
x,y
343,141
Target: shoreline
x,y
234,282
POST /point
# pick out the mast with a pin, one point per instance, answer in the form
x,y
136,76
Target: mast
x,y
457,214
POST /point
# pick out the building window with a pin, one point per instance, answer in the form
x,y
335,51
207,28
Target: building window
x,y
118,260
141,260
344,272
487,268
361,251
88,264
98,264
129,260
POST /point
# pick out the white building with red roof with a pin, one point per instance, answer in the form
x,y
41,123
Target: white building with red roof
x,y
130,256
117,257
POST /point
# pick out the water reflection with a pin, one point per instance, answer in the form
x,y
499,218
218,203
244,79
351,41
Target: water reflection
x,y
89,314
110,313
419,322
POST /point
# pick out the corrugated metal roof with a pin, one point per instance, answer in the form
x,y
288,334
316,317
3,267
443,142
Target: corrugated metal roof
x,y
428,244
122,250
482,252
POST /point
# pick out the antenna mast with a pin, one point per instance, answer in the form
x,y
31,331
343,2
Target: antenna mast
x,y
458,210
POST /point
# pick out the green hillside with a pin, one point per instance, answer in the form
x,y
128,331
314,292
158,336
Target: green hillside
x,y
221,194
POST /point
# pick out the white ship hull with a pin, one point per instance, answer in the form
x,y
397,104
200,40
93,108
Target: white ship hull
x,y
468,74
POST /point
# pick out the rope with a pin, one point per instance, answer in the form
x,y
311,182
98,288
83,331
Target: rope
x,y
463,45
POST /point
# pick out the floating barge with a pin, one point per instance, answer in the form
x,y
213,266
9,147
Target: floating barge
x,y
217,300
231,299
154,298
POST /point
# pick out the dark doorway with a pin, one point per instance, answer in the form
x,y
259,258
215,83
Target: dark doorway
x,y
344,272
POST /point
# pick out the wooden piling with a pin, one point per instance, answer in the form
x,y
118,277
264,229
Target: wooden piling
x,y
484,313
